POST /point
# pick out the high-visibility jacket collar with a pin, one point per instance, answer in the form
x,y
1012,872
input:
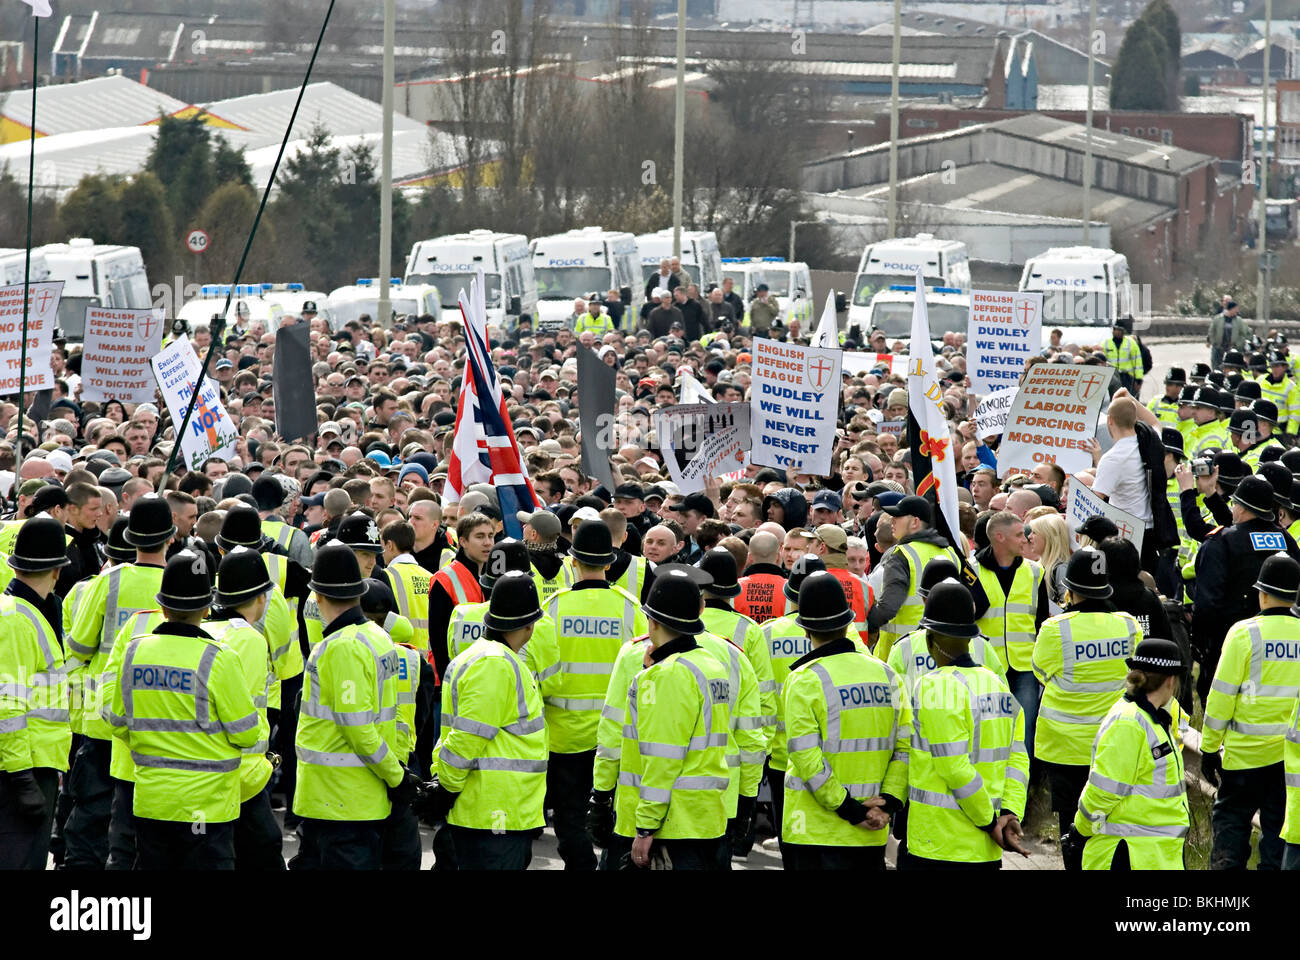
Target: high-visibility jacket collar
x,y
50,606
842,645
675,645
1276,612
176,628
591,585
348,618
1159,714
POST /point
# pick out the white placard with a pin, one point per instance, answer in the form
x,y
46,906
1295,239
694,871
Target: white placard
x,y
1053,418
42,315
795,394
1005,330
116,358
1081,503
856,362
210,433
702,441
991,415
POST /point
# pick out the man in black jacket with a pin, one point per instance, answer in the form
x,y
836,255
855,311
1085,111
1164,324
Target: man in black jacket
x,y
692,311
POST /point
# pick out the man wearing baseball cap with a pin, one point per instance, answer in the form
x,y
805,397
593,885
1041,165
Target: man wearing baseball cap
x,y
541,535
832,545
897,609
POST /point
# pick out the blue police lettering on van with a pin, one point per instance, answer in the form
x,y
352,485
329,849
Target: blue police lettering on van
x,y
1065,281
1281,650
786,647
600,627
720,691
865,695
1268,540
566,262
901,267
170,679
1102,649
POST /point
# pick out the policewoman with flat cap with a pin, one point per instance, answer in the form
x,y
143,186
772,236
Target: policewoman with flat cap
x,y
1132,814
492,756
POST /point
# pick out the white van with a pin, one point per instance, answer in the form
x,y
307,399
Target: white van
x,y
700,257
13,266
1081,286
95,275
943,263
291,297
212,298
451,262
581,262
891,312
791,283
349,303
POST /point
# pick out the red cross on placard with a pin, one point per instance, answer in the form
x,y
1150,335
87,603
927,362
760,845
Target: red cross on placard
x,y
1025,310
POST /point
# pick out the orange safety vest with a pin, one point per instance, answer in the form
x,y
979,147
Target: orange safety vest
x,y
461,585
762,597
859,600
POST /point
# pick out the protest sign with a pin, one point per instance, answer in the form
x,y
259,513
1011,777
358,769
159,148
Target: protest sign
x,y
42,314
796,393
991,415
1082,503
1005,331
1053,418
896,427
292,386
210,432
115,361
855,362
702,441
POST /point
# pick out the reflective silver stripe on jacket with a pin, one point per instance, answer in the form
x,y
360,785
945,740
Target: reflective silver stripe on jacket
x,y
1066,680
1173,830
1057,715
859,791
195,766
569,703
946,801
328,759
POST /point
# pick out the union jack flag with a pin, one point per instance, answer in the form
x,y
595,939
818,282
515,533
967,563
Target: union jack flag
x,y
484,448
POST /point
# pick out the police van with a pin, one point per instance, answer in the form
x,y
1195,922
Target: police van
x,y
700,257
891,312
943,263
212,300
451,262
13,266
95,275
1081,287
582,262
354,301
291,297
791,283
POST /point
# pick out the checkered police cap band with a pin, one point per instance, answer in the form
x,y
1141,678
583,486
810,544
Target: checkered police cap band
x,y
1147,661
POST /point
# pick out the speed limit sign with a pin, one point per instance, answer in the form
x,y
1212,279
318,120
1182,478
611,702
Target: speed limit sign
x,y
197,241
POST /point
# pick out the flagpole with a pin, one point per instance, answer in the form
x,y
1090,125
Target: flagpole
x,y
27,264
179,432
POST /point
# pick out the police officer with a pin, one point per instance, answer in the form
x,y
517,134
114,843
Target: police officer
x,y
787,641
897,609
1132,813
1227,569
1278,386
467,619
493,754
1123,353
347,739
968,771
35,730
243,592
269,494
182,706
721,618
1079,657
110,600
359,532
1208,434
1251,697
593,619
1166,408
848,727
673,768
1203,499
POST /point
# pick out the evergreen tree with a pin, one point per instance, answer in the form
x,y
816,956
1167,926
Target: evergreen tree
x,y
147,223
1138,79
93,209
181,159
229,214
1160,16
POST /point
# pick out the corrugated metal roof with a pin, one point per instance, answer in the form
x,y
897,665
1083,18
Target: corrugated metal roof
x,y
133,36
1105,144
1071,96
90,105
265,115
